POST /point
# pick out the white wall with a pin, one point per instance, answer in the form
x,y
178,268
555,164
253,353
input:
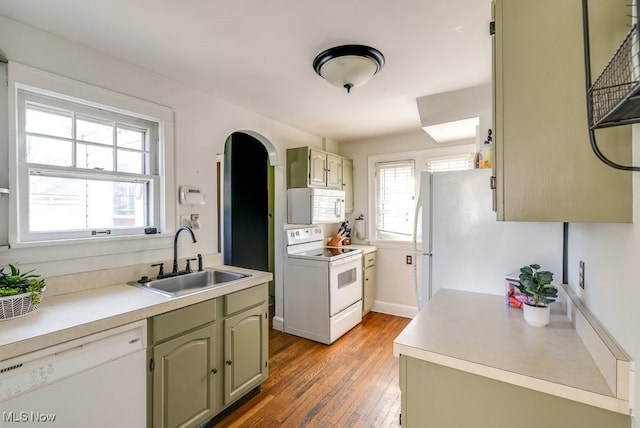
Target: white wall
x,y
202,124
611,253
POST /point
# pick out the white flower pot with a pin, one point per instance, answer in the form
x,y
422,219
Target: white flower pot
x,y
536,315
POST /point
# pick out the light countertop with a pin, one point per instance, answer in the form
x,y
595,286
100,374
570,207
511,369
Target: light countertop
x,y
366,249
479,334
69,316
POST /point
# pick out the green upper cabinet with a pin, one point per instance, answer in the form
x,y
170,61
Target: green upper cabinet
x,y
347,184
308,167
545,169
317,168
334,171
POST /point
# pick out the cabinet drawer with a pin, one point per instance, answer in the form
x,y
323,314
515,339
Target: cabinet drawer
x,y
369,259
182,320
240,300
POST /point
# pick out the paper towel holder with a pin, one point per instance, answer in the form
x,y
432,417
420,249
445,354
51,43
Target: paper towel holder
x,y
360,227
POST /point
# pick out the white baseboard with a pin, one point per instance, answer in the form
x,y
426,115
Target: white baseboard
x,y
278,323
394,309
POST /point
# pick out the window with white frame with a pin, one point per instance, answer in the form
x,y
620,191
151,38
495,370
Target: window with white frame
x,y
396,178
84,170
457,162
395,189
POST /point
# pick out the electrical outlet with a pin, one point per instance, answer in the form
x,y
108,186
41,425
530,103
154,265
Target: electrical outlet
x,y
581,275
409,260
185,220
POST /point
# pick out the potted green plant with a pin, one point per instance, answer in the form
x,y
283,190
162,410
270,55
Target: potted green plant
x,y
20,292
536,285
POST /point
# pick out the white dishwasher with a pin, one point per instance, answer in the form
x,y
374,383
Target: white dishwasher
x,y
94,381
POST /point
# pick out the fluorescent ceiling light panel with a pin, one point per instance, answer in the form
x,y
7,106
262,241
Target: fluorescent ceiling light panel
x,y
453,131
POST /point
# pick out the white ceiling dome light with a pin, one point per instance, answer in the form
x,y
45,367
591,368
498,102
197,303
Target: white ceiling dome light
x,y
348,66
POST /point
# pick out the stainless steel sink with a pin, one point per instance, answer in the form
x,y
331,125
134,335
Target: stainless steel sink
x,y
189,283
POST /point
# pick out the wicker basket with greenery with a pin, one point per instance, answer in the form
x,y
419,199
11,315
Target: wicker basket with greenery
x,y
20,292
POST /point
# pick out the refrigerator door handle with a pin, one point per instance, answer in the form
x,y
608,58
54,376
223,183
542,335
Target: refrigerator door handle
x,y
420,252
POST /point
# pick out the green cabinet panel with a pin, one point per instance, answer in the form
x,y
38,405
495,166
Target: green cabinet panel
x,y
187,384
545,169
334,171
179,321
347,184
442,397
317,168
184,382
308,167
245,352
368,281
244,299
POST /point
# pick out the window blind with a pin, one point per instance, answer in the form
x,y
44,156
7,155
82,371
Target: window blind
x,y
395,194
450,163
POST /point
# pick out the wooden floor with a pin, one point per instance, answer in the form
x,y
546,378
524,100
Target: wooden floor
x,y
352,383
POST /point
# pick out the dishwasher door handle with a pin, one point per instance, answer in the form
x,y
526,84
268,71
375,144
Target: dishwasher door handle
x,y
66,353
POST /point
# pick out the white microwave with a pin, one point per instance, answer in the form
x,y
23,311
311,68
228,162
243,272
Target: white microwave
x,y
310,205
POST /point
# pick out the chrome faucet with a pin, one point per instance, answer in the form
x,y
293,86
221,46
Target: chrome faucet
x,y
175,246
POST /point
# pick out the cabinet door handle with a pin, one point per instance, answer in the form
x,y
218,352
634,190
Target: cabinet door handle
x,y
228,362
214,370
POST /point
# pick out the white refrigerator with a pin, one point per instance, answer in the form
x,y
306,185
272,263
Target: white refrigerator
x,y
460,245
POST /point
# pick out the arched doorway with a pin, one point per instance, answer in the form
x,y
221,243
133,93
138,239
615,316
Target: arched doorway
x,y
247,204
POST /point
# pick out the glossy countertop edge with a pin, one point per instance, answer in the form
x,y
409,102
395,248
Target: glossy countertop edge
x,y
412,343
548,387
366,249
70,316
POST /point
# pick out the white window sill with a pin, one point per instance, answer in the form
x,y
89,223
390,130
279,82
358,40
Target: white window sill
x,y
393,245
47,251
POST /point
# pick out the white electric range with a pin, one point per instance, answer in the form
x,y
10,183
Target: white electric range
x,y
322,286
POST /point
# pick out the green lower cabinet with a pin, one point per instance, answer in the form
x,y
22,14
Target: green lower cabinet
x,y
245,352
441,397
190,347
185,379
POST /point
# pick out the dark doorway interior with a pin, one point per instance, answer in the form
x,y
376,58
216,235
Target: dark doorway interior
x,y
248,204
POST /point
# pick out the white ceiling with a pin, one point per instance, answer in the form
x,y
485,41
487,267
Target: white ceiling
x,y
258,54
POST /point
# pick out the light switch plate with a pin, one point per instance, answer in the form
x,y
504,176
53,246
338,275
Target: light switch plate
x,y
195,221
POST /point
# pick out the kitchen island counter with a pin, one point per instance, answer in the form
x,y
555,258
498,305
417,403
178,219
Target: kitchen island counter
x,y
478,334
69,316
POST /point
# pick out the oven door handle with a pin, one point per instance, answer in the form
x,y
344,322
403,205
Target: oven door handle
x,y
349,259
